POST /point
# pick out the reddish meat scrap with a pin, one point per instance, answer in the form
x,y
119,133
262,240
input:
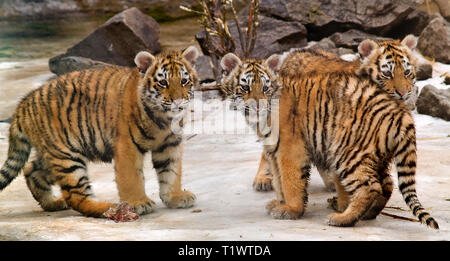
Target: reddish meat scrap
x,y
121,213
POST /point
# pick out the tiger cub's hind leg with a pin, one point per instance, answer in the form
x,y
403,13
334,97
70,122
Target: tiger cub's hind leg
x,y
263,178
294,171
363,189
341,201
379,204
39,181
72,177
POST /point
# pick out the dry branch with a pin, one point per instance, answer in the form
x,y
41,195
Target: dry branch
x,y
399,217
218,38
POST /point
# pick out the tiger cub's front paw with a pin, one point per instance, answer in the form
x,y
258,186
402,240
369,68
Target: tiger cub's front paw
x,y
142,207
272,204
182,199
333,203
278,210
262,183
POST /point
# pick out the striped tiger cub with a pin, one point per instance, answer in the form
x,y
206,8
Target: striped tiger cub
x,y
342,124
111,113
389,64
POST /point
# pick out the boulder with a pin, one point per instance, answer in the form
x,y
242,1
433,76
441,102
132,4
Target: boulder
x,y
160,10
115,42
328,45
447,80
325,44
444,7
65,64
324,17
414,24
204,68
424,71
273,36
434,41
352,38
434,102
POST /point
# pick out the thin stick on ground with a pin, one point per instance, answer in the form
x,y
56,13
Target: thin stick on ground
x,y
397,208
399,217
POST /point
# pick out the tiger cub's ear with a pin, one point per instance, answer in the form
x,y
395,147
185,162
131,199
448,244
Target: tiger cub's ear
x,y
274,63
191,54
230,62
410,41
366,47
144,60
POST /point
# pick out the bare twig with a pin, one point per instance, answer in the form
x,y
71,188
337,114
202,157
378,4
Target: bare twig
x,y
218,38
190,137
255,27
238,26
399,217
249,28
397,208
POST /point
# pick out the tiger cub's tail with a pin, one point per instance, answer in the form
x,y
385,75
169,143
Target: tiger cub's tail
x,y
18,153
406,158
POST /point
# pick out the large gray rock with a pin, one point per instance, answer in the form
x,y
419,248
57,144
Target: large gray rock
x,y
424,71
434,102
273,36
162,10
203,67
352,38
434,41
117,41
414,24
330,46
65,64
324,17
444,7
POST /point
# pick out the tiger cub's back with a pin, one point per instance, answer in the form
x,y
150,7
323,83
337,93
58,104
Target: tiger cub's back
x,y
75,111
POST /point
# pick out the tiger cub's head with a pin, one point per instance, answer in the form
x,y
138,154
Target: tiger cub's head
x,y
251,83
168,78
391,65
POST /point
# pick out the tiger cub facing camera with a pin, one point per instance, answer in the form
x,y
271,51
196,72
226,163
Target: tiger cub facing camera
x,y
337,121
111,113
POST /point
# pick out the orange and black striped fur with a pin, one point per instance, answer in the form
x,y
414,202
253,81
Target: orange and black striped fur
x,y
111,113
254,87
342,124
389,64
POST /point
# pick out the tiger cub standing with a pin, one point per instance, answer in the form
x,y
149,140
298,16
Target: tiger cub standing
x,y
389,64
339,122
111,113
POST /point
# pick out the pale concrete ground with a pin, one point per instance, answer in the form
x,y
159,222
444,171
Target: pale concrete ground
x,y
219,169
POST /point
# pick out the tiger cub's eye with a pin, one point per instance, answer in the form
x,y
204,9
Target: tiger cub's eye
x,y
184,81
163,83
386,74
245,88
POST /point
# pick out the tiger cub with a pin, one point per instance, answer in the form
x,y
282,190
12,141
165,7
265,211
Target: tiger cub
x,y
389,64
342,124
111,113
